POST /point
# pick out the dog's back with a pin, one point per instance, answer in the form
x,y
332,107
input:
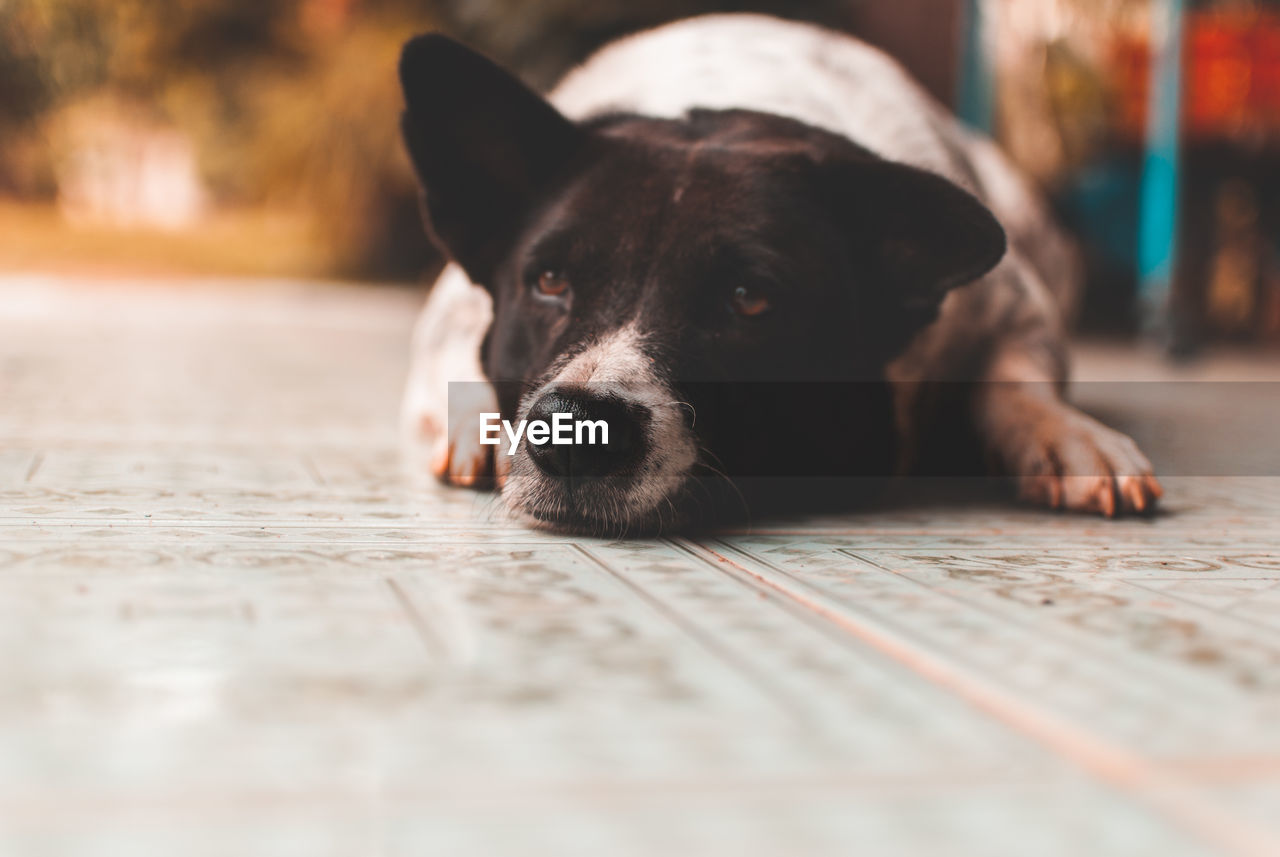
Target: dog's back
x,y
837,83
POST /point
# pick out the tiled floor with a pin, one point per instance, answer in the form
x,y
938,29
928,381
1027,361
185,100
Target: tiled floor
x,y
231,626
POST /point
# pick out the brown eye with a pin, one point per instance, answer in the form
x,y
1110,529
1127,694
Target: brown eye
x,y
553,284
749,302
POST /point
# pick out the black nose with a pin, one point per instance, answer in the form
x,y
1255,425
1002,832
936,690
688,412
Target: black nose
x,y
626,422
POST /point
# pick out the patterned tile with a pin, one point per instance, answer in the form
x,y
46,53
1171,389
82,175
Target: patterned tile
x,y
234,621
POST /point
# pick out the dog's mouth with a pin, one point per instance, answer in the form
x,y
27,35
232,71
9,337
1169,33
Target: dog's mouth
x,y
649,497
601,507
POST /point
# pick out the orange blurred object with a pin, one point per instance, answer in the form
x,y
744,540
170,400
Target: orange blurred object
x,y
1231,84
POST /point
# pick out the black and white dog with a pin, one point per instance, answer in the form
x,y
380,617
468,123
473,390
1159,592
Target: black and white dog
x,y
732,199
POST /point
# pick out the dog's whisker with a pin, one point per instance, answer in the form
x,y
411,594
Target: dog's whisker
x,y
692,410
720,472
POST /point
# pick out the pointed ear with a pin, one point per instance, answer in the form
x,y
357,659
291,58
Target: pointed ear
x,y
922,234
484,146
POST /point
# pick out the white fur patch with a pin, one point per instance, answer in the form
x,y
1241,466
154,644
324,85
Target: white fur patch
x,y
616,365
756,62
446,349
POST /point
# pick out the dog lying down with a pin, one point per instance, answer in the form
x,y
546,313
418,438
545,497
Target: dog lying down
x,y
745,247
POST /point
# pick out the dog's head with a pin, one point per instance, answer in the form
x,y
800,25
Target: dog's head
x,y
635,263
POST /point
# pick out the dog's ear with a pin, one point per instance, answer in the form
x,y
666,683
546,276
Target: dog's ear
x,y
922,235
484,146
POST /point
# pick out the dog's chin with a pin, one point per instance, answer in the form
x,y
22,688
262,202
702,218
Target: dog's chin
x,y
608,508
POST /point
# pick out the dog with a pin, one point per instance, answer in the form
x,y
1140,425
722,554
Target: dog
x,y
733,200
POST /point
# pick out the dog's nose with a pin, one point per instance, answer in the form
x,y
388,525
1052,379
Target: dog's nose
x,y
589,455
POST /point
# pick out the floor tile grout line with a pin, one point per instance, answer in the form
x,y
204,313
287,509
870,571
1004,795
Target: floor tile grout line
x,y
27,521
313,471
1141,779
941,534
21,806
1243,599
293,546
1239,768
36,461
817,532
425,633
1056,636
788,604
707,641
1214,611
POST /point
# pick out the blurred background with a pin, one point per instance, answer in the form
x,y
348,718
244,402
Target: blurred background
x,y
259,137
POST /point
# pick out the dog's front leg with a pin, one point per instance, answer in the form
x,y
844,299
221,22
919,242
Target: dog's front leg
x,y
1059,456
446,349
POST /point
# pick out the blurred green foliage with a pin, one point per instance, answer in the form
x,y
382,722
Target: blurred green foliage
x,y
289,103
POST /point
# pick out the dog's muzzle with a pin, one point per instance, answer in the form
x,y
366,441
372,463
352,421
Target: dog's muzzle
x,y
626,484
626,448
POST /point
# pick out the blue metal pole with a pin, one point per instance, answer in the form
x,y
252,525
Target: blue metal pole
x,y
1158,217
975,92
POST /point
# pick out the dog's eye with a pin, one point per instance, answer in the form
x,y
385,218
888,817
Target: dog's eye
x,y
749,302
552,283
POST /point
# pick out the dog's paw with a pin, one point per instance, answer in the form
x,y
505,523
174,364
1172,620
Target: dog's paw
x,y
458,458
450,440
1073,462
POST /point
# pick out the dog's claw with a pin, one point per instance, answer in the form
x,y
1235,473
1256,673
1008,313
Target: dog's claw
x,y
455,457
1107,499
1134,493
439,462
460,464
1072,462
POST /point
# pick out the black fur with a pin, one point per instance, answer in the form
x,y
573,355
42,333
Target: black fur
x,y
657,222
